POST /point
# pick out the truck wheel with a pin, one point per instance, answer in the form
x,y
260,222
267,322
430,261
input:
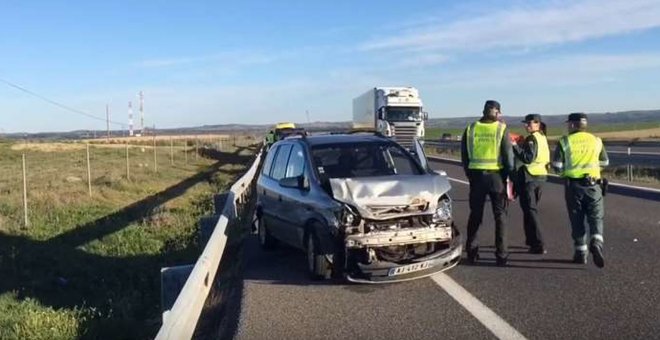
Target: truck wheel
x,y
266,241
317,265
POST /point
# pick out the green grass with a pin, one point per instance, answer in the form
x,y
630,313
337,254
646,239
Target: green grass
x,y
89,267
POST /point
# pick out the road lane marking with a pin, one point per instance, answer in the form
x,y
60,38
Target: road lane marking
x,y
458,180
493,322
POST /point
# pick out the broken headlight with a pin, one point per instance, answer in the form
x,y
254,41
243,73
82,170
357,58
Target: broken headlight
x,y
349,216
443,211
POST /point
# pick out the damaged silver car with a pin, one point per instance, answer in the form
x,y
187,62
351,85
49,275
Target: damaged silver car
x,y
360,206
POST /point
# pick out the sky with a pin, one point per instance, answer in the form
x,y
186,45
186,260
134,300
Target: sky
x,y
260,62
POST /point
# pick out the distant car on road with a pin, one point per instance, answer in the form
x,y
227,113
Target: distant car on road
x,y
360,205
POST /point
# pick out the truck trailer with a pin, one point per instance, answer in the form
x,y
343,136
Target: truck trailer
x,y
396,112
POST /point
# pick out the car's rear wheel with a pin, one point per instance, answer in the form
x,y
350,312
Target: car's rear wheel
x,y
266,241
318,266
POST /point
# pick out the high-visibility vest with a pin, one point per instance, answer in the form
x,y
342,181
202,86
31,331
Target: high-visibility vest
x,y
581,152
483,145
538,166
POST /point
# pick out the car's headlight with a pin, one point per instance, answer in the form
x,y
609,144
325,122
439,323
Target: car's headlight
x,y
443,212
349,216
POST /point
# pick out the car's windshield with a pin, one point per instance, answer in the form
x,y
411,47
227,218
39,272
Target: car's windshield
x,y
363,160
403,114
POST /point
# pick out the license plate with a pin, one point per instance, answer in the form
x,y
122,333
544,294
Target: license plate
x,y
409,268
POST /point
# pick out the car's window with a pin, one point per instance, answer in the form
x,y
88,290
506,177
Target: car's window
x,y
296,162
279,168
363,160
268,163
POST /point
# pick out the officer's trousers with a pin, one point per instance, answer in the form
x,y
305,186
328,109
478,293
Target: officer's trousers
x,y
482,185
529,194
585,208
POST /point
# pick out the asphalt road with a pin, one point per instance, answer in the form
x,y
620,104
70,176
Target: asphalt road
x,y
540,296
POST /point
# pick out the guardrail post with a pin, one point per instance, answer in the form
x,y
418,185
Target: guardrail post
x,y
172,280
26,221
206,226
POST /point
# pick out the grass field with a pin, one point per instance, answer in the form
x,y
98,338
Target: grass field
x,y
613,131
89,267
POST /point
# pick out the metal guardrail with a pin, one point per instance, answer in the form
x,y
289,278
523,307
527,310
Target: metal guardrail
x,y
611,184
181,320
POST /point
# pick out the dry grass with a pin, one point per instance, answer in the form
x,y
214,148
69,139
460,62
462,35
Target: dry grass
x,y
653,133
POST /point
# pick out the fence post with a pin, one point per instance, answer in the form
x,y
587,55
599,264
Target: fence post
x,y
196,146
171,151
155,161
185,150
26,222
89,173
128,168
629,167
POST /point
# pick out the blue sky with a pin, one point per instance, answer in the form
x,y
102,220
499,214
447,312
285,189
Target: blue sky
x,y
218,62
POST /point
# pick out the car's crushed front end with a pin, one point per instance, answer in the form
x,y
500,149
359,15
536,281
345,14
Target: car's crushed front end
x,y
396,228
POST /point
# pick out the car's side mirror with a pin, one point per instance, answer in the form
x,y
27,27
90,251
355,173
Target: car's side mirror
x,y
298,182
425,115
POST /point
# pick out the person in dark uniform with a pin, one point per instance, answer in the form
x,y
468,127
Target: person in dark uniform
x,y
533,156
579,158
487,157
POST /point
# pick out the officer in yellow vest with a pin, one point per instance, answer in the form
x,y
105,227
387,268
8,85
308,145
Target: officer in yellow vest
x,y
534,156
487,158
270,139
579,158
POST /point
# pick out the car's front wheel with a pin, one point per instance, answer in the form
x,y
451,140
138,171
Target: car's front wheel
x,y
318,266
266,241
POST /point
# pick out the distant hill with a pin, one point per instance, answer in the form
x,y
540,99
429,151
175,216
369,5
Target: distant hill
x,y
627,117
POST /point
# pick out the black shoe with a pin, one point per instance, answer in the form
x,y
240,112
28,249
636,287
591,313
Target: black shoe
x,y
537,250
473,256
596,250
580,257
500,261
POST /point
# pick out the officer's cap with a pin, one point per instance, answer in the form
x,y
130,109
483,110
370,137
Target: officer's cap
x,y
490,104
576,117
532,117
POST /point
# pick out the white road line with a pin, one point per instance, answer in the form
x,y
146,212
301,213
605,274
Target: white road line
x,y
498,326
458,180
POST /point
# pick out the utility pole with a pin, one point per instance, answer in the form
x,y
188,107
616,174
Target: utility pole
x,y
130,119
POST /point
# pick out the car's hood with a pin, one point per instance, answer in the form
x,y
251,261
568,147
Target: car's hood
x,y
388,197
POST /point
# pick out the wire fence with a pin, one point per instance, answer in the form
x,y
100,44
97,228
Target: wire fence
x,y
36,175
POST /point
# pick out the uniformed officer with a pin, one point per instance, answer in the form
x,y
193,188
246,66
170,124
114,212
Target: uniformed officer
x,y
487,158
579,158
533,155
270,138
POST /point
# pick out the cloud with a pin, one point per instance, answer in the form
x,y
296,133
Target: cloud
x,y
559,22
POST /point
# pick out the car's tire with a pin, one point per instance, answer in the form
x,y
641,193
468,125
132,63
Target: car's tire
x,y
318,266
266,240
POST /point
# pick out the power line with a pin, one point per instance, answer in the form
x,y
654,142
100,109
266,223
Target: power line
x,y
62,106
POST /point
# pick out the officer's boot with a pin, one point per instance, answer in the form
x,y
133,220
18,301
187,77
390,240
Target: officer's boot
x,y
580,257
596,249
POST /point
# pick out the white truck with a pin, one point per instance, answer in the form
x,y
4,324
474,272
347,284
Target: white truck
x,y
396,112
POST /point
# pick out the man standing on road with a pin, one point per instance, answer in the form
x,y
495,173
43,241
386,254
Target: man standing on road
x,y
487,158
534,155
579,157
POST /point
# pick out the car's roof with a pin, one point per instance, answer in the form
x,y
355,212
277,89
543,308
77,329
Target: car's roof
x,y
314,140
